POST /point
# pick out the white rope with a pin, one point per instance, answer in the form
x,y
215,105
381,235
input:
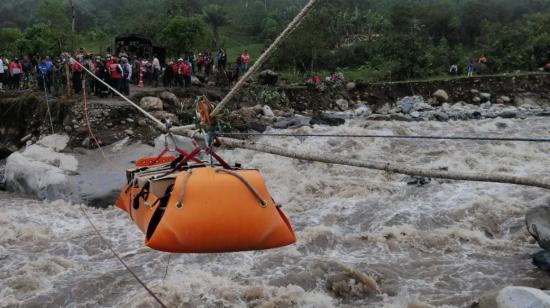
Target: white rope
x,y
263,58
147,114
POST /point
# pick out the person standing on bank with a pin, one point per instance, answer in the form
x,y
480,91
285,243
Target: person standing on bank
x,y
245,60
16,70
126,76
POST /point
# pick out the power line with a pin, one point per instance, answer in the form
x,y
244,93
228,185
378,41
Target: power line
x,y
429,137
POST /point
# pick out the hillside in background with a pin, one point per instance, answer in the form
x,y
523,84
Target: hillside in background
x,y
371,39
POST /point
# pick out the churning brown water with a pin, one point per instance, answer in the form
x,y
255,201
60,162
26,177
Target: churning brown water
x,y
365,238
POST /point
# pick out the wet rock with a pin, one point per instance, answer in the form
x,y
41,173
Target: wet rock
x,y
195,81
293,122
415,114
384,109
150,103
268,77
485,96
169,97
167,116
86,142
362,111
129,132
379,117
342,104
542,260
538,225
55,142
123,122
515,297
476,100
508,114
400,117
441,116
266,111
327,119
142,122
248,112
417,180
410,103
441,96
474,91
68,129
350,86
407,108
41,171
130,120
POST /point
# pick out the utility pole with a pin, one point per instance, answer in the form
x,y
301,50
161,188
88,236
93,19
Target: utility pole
x,y
73,25
73,17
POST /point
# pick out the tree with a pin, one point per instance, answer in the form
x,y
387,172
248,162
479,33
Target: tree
x,y
182,34
54,14
216,17
9,38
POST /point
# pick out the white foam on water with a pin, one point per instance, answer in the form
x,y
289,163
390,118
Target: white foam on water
x,y
365,238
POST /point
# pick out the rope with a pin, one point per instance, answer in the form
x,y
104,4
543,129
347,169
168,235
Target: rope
x,y
265,56
91,133
47,103
434,137
157,299
263,203
157,121
184,181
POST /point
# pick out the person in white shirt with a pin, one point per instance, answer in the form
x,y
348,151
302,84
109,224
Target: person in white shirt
x,y
2,71
156,71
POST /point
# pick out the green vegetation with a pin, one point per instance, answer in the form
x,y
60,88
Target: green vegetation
x,y
368,39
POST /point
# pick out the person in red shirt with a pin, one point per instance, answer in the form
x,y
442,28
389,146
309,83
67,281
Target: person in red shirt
x,y
245,60
179,72
115,71
77,76
16,71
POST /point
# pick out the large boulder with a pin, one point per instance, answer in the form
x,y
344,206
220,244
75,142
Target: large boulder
x,y
515,297
41,170
441,96
411,103
327,119
169,98
542,260
151,103
268,77
294,122
538,225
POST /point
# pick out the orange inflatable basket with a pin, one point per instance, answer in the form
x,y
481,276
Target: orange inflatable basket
x,y
205,209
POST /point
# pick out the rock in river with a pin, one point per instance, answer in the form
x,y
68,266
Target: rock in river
x,y
515,297
538,224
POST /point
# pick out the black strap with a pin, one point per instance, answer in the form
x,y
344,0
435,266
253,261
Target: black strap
x,y
143,193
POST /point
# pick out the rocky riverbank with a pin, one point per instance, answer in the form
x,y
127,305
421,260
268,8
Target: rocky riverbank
x,y
24,118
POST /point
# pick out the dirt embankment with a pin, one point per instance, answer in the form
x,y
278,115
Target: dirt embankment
x,y
24,117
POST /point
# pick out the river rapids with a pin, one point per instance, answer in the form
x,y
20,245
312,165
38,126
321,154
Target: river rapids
x,y
365,238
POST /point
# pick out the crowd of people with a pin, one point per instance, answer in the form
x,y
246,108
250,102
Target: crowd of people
x,y
54,75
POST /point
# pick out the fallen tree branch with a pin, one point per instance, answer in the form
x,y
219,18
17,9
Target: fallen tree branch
x,y
376,165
